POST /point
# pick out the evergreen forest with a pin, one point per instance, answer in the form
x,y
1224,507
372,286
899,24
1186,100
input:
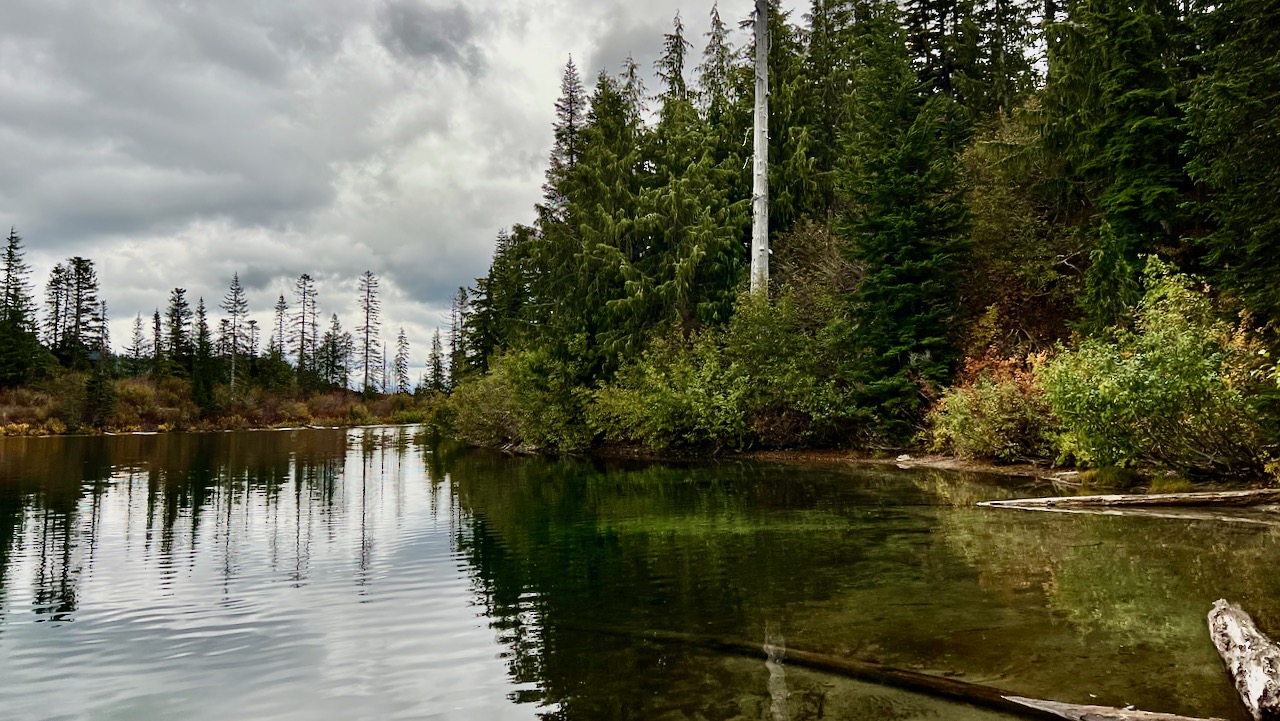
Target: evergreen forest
x,y
1001,229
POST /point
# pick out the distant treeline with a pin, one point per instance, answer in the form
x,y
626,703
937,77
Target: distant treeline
x,y
216,365
956,187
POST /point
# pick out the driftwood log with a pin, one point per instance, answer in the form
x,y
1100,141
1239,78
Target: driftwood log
x,y
928,684
1235,499
1252,507
1252,659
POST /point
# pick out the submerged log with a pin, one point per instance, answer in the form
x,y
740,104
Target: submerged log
x,y
1259,497
927,684
1252,659
1094,713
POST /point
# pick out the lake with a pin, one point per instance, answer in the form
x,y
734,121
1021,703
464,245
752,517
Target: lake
x,y
377,573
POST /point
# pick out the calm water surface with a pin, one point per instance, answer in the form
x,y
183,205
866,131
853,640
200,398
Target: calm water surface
x,y
374,574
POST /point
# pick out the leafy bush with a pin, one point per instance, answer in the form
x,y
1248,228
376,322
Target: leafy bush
x,y
676,395
1179,389
771,379
484,409
794,371
1001,414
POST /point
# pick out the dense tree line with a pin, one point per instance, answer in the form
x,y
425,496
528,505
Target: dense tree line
x,y
950,180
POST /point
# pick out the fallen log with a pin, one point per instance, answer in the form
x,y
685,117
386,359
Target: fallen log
x,y
1256,515
1259,497
951,689
1252,659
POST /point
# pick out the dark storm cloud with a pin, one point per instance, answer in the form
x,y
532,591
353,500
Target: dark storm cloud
x,y
638,41
425,32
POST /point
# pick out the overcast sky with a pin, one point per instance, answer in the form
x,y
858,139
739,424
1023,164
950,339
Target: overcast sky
x,y
176,142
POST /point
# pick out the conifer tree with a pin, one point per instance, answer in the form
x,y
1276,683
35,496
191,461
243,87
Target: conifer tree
x,y
55,306
370,326
690,259
570,116
458,311
138,353
1235,146
1111,114
438,381
254,339
828,67
202,370
19,345
157,344
401,363
905,223
334,355
236,306
499,300
179,343
73,326
277,340
305,324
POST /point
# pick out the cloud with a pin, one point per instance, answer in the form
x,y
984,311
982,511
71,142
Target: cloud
x,y
179,143
441,34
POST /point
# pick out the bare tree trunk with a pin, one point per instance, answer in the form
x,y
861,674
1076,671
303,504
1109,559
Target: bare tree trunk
x,y
760,186
1252,659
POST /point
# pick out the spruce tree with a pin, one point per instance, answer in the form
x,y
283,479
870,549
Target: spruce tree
x,y
1235,148
179,344
305,324
571,111
905,222
370,326
1111,114
19,345
438,381
334,356
202,370
138,353
236,306
401,363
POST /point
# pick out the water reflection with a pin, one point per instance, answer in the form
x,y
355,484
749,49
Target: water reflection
x,y
378,573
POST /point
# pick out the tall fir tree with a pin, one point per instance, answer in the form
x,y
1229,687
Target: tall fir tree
x,y
1235,148
202,370
400,368
369,329
179,341
236,306
437,377
905,222
20,349
305,324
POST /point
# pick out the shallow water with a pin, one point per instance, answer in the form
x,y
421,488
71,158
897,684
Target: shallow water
x,y
375,574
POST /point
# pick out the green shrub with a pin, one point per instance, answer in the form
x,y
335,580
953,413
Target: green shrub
x,y
1002,415
550,399
676,395
1178,389
484,409
793,369
770,379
